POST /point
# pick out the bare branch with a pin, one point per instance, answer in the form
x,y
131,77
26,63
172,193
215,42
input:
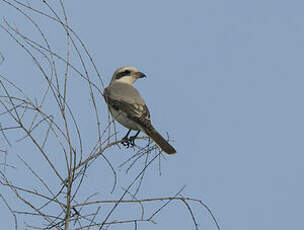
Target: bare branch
x,y
60,195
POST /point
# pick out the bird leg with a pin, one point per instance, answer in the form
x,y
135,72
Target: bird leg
x,y
125,139
129,141
132,139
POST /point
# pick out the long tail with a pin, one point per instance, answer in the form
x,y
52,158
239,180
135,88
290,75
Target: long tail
x,y
159,140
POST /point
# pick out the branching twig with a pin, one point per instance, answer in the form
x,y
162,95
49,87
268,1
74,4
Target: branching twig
x,y
48,124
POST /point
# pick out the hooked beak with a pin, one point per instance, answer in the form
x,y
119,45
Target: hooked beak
x,y
140,75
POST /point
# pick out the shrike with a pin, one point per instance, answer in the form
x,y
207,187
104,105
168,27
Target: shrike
x,y
129,108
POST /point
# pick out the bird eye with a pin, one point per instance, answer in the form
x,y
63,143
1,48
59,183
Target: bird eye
x,y
122,74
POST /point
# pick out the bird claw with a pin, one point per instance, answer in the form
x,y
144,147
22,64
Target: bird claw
x,y
129,142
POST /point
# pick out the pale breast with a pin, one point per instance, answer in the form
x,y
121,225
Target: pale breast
x,y
122,118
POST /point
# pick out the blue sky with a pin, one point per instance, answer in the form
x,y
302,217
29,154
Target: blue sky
x,y
225,80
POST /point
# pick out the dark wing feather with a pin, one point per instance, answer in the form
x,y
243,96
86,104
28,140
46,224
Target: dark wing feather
x,y
138,112
134,111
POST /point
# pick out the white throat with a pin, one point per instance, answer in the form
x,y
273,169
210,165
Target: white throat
x,y
127,79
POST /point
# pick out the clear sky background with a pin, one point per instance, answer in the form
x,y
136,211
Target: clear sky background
x,y
225,80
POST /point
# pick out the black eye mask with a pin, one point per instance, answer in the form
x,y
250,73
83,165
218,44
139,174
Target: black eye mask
x,y
122,74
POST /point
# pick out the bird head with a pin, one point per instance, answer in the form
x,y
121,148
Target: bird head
x,y
127,74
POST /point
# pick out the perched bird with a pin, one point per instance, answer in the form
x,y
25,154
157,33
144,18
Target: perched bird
x,y
129,108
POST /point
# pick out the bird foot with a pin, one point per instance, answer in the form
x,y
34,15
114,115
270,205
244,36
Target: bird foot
x,y
128,142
